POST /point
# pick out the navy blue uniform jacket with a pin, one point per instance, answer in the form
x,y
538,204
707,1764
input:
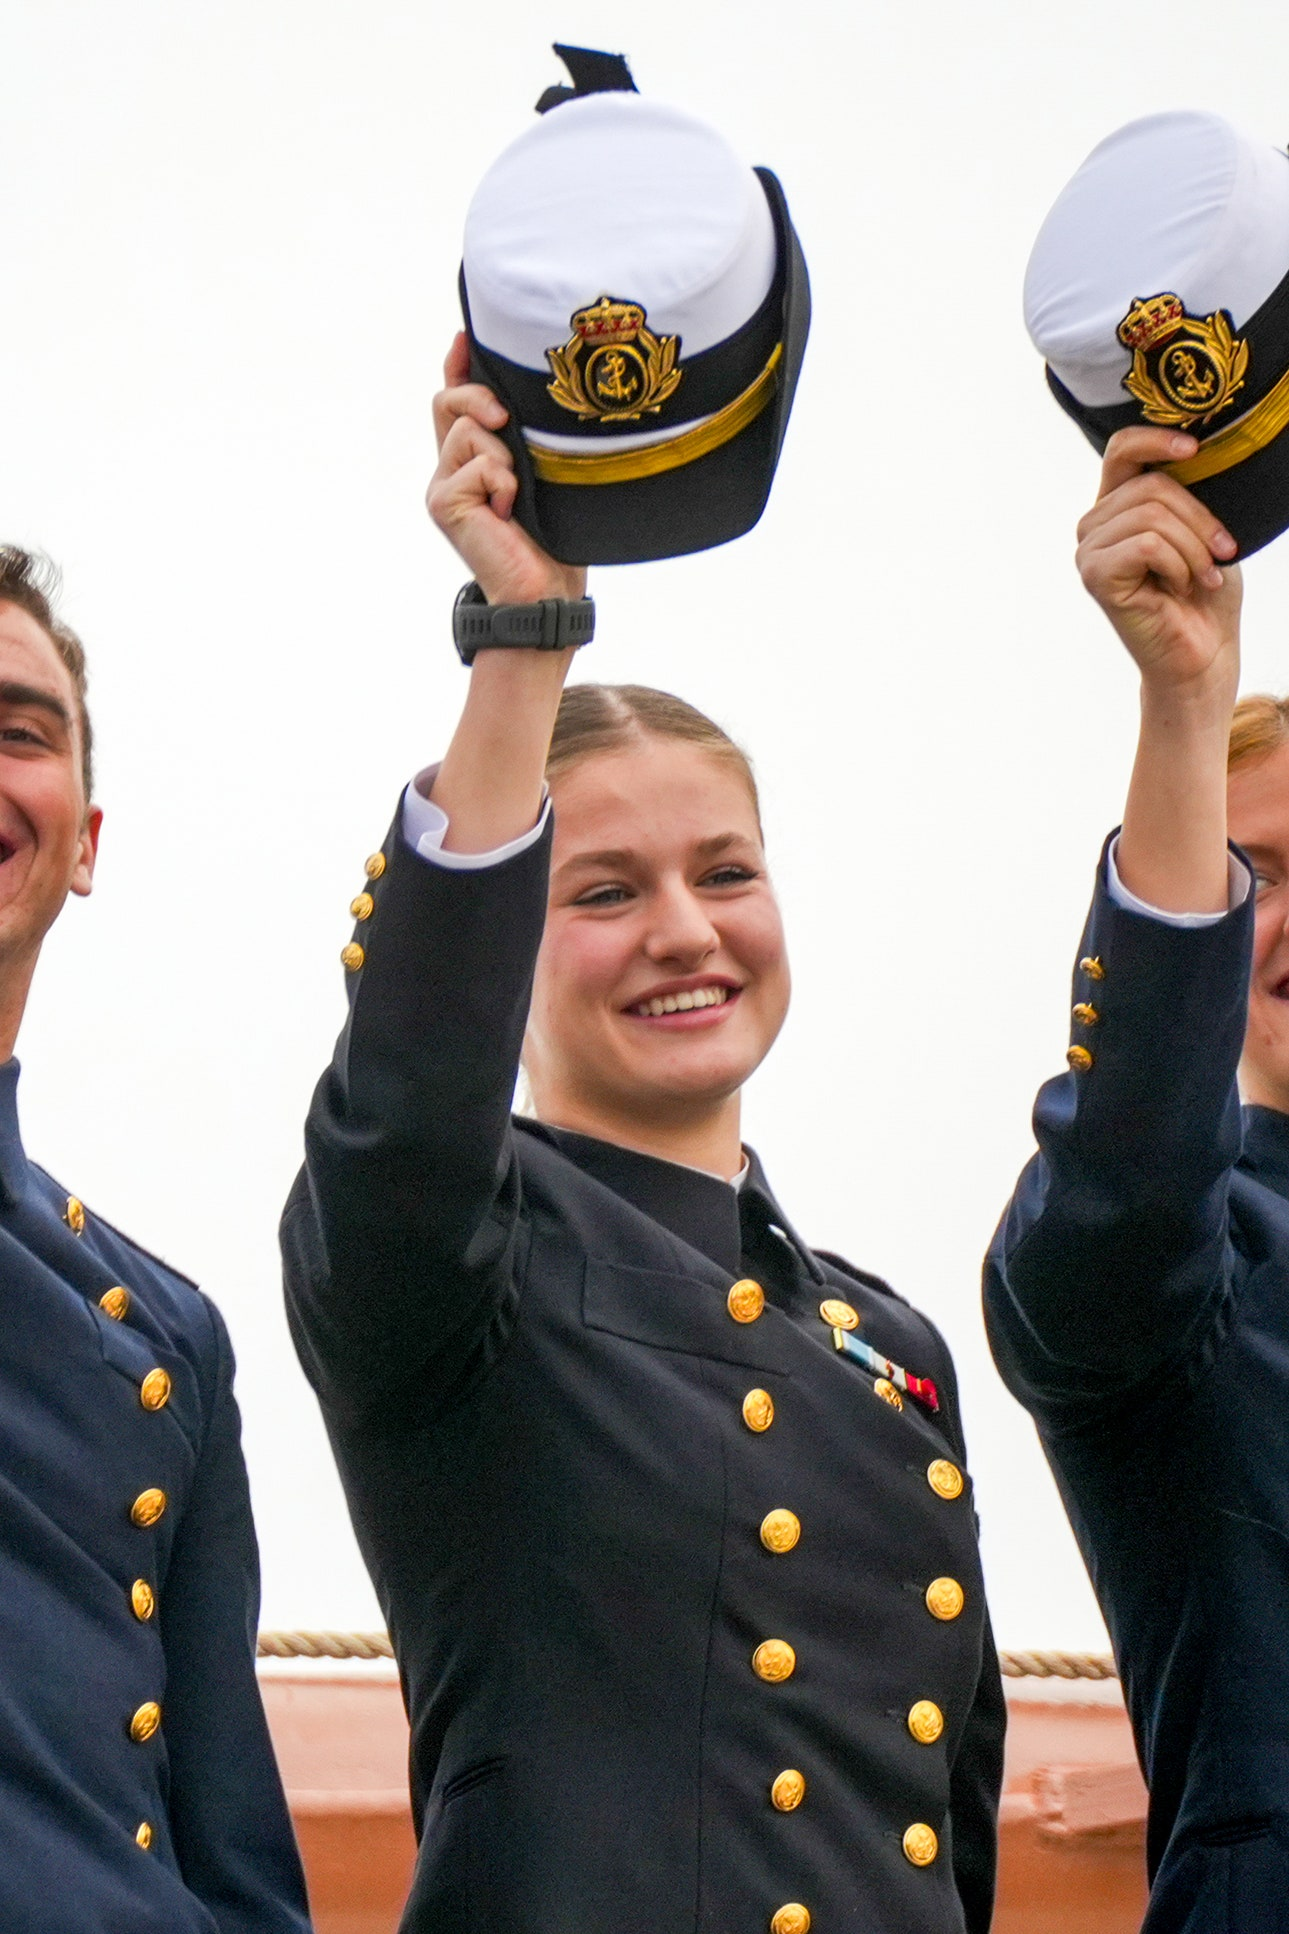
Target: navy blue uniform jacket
x,y
138,1789
1137,1297
540,1404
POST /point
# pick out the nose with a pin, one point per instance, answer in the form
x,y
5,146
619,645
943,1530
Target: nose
x,y
681,932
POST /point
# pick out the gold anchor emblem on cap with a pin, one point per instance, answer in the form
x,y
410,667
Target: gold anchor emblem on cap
x,y
613,369
1185,369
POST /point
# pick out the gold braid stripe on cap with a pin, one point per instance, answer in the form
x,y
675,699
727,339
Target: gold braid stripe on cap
x,y
1244,438
625,466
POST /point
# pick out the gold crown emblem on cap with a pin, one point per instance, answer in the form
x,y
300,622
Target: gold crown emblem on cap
x,y
613,369
1185,369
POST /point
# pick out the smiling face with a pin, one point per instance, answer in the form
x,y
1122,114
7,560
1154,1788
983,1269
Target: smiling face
x,y
1258,819
48,836
662,978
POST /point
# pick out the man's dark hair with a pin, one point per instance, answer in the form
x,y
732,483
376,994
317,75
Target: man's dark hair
x,y
31,582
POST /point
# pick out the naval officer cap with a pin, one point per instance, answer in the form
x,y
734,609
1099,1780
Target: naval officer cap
x,y
636,296
1158,292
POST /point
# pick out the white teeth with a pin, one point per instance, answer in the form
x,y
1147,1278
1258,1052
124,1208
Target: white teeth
x,y
682,1003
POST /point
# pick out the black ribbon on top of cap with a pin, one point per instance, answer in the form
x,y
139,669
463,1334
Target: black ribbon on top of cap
x,y
707,381
592,73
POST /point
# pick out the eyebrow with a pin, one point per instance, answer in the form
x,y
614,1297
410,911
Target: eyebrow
x,y
617,859
12,693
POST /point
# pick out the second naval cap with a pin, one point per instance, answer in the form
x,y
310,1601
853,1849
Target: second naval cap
x,y
636,296
1158,292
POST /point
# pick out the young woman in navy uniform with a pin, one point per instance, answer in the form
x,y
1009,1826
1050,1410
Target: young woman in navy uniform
x,y
1136,1289
668,1515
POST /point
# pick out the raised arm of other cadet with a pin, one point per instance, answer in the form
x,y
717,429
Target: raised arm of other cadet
x,y
399,1235
1114,1244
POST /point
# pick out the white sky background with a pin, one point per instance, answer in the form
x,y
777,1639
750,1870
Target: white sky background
x,y
228,259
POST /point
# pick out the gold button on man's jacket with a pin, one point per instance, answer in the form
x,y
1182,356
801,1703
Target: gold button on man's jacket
x,y
774,1661
145,1721
147,1508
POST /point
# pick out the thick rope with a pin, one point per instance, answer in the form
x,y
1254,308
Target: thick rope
x,y
376,1645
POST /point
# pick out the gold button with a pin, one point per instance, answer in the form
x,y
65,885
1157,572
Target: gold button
x,y
745,1301
758,1410
780,1530
352,956
154,1391
143,1600
774,1661
1091,966
945,1598
147,1508
374,866
361,908
145,1721
839,1315
74,1216
926,1722
886,1390
115,1303
920,1844
1079,1059
1085,1015
789,1790
792,1918
944,1478
143,1835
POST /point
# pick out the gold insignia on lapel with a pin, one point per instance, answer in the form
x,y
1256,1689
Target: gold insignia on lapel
x,y
613,368
1185,369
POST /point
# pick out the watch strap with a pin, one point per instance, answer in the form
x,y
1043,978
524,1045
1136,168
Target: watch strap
x,y
548,624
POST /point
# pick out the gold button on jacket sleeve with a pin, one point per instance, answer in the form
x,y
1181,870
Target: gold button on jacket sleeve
x,y
921,1844
361,906
352,957
1091,966
145,1721
1085,1014
780,1530
745,1301
1079,1059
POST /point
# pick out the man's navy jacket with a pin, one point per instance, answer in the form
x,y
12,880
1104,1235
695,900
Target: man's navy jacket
x,y
578,1452
138,1789
1137,1296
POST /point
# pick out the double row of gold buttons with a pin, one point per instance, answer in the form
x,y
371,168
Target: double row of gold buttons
x,y
147,1508
775,1660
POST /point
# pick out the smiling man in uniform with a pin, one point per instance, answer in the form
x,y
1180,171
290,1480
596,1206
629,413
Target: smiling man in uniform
x,y
138,1788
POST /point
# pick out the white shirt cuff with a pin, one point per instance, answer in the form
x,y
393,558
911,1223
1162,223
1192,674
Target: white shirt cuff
x,y
425,827
1237,874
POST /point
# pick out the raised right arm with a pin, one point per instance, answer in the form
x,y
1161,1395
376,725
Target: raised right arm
x,y
398,1238
1114,1247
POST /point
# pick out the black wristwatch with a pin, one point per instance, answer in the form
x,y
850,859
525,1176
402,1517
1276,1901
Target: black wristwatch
x,y
551,624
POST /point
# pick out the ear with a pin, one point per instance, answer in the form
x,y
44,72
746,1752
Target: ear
x,y
83,877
